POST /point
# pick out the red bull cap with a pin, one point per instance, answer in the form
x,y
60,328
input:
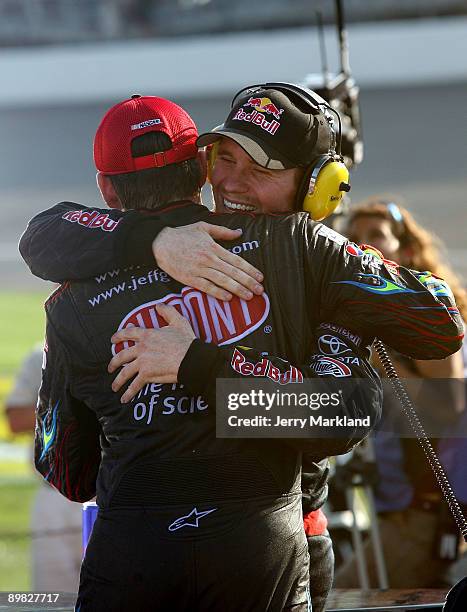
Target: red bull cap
x,y
277,129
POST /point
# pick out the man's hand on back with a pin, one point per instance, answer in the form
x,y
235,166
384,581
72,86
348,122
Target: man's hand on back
x,y
156,355
190,255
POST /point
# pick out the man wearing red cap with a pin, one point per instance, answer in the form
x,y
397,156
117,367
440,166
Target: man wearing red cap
x,y
158,455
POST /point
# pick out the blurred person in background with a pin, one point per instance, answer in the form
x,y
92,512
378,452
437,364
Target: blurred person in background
x,y
55,521
20,405
413,515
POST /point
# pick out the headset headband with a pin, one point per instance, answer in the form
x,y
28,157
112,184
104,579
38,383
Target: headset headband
x,y
307,95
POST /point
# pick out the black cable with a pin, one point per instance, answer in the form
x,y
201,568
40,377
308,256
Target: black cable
x,y
425,443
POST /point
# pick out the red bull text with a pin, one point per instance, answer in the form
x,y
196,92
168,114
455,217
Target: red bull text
x,y
262,106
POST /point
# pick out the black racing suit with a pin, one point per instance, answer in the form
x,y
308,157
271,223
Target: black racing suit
x,y
159,451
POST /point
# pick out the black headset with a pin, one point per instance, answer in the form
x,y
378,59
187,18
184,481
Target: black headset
x,y
326,179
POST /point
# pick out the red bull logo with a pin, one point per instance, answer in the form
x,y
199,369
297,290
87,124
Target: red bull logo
x,y
92,219
264,368
264,105
211,319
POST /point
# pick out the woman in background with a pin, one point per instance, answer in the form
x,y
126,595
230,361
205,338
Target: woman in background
x,y
419,538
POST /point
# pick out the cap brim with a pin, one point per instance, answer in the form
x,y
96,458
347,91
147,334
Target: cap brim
x,y
260,153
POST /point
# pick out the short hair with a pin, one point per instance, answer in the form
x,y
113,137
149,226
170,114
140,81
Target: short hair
x,y
155,187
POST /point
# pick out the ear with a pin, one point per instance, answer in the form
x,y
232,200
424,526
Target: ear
x,y
108,192
202,160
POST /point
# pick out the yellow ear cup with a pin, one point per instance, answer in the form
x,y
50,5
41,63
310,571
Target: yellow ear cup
x,y
326,190
211,153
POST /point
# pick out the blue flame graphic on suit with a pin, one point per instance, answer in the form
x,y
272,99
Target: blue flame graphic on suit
x,y
379,285
48,435
437,286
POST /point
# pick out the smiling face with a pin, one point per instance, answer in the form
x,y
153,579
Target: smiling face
x,y
240,184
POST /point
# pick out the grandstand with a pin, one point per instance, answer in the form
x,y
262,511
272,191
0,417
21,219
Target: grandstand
x,y
52,22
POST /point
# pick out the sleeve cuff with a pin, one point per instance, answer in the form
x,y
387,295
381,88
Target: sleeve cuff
x,y
198,367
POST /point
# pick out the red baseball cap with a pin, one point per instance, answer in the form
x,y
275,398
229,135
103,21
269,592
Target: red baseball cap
x,y
134,117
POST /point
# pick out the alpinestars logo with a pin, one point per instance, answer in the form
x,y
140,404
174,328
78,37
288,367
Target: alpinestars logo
x,y
189,520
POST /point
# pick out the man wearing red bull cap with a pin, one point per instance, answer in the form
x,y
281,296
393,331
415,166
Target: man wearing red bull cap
x,y
91,222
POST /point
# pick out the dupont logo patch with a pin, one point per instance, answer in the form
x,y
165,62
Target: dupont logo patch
x,y
211,319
